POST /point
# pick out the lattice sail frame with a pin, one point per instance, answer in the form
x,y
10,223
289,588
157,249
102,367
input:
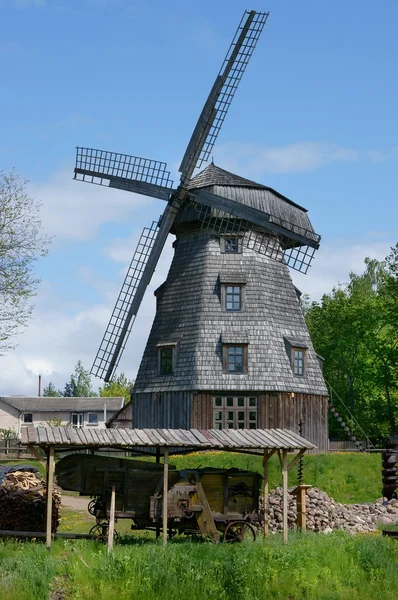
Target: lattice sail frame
x,y
270,244
98,166
233,78
120,312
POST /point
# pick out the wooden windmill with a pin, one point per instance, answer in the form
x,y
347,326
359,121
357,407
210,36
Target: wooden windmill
x,y
228,346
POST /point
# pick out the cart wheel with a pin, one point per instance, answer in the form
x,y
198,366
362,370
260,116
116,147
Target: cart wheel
x,y
91,507
239,531
99,533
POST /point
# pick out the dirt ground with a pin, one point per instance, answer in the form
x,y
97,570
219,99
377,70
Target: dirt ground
x,y
79,503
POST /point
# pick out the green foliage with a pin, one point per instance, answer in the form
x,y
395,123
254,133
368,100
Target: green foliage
x,y
8,434
50,391
355,329
21,244
54,422
120,386
79,384
311,567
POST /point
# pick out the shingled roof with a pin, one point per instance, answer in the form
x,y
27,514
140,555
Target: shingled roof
x,y
228,185
213,175
62,404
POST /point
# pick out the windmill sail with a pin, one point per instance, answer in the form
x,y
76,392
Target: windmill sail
x,y
222,93
138,277
125,172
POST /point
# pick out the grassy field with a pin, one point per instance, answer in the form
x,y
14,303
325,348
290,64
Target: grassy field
x,y
324,567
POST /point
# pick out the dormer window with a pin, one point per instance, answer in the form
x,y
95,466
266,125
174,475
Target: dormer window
x,y
166,361
233,298
231,244
298,358
232,291
167,354
296,351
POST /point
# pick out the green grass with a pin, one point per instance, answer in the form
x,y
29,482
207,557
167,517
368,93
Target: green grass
x,y
311,567
349,477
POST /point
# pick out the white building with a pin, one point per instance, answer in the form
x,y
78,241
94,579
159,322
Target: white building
x,y
21,411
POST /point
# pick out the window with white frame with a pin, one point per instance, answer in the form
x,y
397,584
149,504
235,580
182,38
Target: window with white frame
x,y
28,418
92,419
77,420
235,412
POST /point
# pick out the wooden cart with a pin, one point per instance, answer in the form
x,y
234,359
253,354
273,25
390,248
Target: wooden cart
x,y
214,502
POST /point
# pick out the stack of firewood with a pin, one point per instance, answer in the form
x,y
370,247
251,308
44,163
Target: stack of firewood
x,y
23,503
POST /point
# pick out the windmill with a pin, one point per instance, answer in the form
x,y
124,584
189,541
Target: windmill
x,y
253,230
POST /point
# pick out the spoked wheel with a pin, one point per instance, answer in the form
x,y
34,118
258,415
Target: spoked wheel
x,y
99,533
239,531
92,506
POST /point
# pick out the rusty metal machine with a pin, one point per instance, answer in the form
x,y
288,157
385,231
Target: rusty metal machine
x,y
217,503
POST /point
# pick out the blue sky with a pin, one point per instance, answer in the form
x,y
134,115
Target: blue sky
x,y
314,117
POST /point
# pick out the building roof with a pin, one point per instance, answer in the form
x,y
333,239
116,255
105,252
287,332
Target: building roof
x,y
215,439
62,404
213,175
265,199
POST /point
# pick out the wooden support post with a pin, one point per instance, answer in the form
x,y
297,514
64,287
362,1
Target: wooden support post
x,y
49,486
265,494
111,529
165,491
284,486
300,492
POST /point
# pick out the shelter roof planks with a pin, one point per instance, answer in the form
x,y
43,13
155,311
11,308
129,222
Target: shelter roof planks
x,y
252,441
209,439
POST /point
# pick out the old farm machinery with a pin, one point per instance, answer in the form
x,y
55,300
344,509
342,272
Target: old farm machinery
x,y
215,503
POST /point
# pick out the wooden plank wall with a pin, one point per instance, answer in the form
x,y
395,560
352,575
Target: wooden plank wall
x,y
276,410
202,410
170,410
281,410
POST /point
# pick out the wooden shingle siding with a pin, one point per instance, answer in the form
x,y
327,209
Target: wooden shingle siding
x,y
190,314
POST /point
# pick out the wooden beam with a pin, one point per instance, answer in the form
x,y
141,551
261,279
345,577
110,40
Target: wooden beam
x,y
165,491
284,486
265,494
37,455
252,215
204,516
111,529
295,459
50,483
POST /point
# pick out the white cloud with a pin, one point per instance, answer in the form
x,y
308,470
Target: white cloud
x,y
76,210
333,263
59,334
254,160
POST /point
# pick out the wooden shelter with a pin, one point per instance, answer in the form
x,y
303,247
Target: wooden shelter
x,y
280,441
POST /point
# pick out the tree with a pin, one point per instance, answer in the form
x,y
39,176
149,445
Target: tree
x,y
79,384
21,244
50,391
121,386
355,328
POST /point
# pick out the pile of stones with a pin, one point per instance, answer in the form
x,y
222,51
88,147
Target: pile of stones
x,y
326,515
